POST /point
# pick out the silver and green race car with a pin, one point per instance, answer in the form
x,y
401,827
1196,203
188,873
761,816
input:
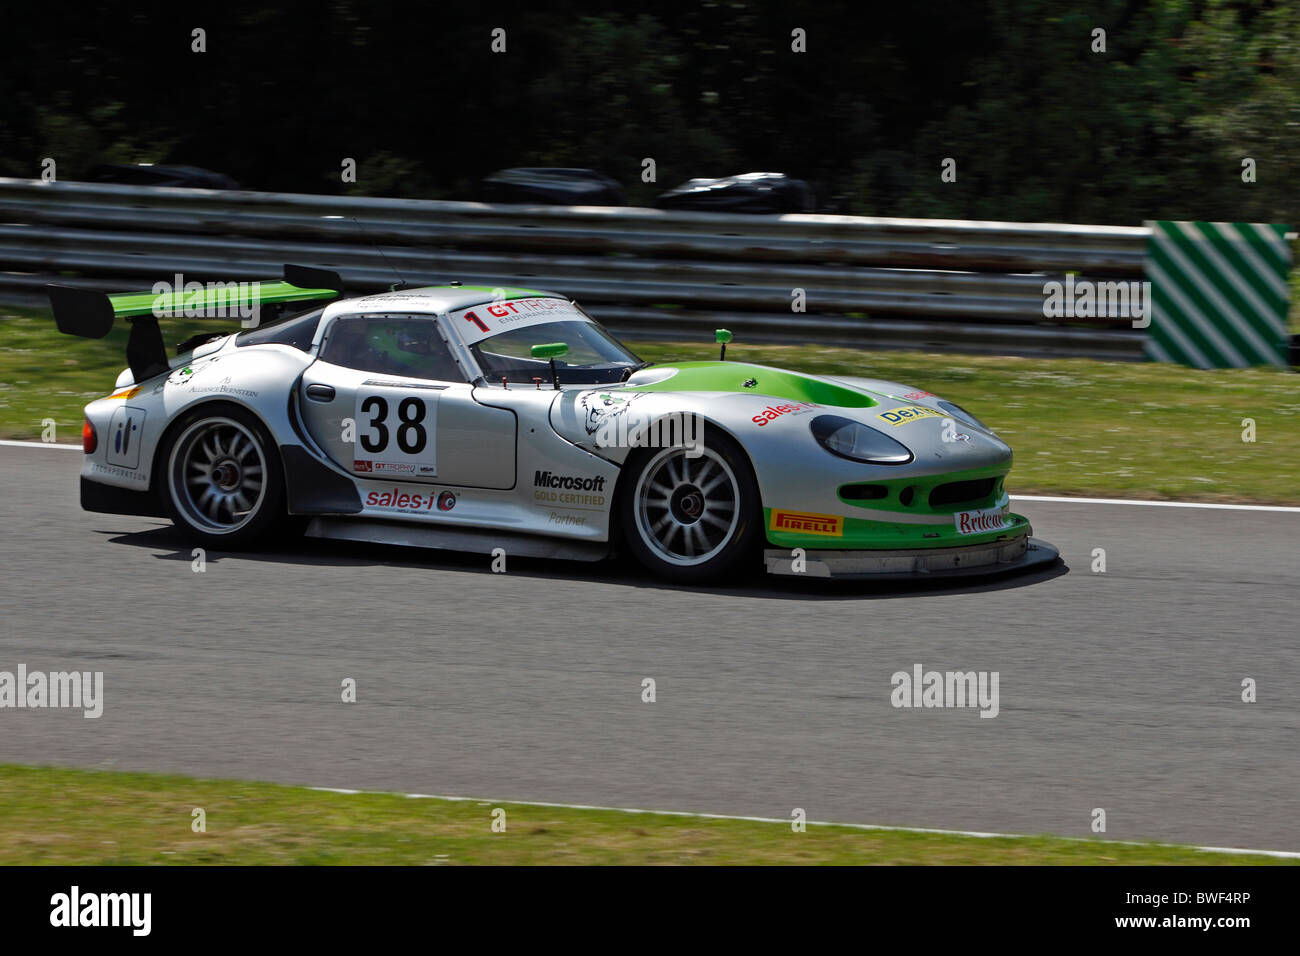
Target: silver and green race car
x,y
477,419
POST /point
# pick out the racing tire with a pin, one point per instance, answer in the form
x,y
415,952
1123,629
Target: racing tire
x,y
692,520
223,482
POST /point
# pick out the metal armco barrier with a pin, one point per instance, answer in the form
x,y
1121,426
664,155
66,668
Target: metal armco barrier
x,y
945,285
1219,294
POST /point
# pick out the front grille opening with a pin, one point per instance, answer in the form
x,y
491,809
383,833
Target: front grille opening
x,y
906,495
863,492
962,492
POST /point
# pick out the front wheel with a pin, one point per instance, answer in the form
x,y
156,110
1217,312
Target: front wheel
x,y
692,519
224,481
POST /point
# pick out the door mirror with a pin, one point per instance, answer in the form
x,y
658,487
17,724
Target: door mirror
x,y
551,350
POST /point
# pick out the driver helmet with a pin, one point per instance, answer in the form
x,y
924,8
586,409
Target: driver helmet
x,y
399,345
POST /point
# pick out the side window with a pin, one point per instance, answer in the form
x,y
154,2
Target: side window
x,y
297,331
408,346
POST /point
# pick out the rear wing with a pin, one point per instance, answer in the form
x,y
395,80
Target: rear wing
x,y
90,314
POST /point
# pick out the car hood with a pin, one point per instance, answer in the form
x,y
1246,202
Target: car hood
x,y
758,403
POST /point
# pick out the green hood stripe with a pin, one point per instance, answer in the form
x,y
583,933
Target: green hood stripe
x,y
768,382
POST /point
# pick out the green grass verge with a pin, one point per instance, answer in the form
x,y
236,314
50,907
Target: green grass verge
x,y
45,374
1078,427
60,816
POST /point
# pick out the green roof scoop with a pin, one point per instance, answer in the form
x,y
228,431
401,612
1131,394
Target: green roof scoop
x,y
722,337
552,351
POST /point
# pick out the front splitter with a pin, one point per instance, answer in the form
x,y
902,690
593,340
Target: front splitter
x,y
916,564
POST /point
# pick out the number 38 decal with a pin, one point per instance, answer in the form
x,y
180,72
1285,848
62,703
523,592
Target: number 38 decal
x,y
395,434
412,436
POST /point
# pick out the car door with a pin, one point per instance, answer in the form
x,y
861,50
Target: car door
x,y
385,399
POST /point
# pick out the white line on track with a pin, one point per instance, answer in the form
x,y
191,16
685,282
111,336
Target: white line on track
x,y
1155,504
1281,854
38,444
1064,500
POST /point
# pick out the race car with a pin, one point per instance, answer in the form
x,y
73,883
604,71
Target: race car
x,y
508,421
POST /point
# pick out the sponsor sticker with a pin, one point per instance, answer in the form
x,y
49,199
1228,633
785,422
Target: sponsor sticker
x,y
800,522
773,412
395,499
598,408
446,501
125,430
483,321
547,479
365,466
980,520
909,413
181,375
226,388
568,491
187,373
569,520
115,471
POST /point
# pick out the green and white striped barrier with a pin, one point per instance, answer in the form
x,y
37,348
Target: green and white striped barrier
x,y
1219,293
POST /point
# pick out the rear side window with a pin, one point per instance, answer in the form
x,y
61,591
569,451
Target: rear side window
x,y
298,332
392,345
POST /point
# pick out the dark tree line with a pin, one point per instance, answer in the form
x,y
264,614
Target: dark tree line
x,y
1042,127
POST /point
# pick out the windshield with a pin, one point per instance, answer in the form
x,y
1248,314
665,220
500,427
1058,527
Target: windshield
x,y
594,356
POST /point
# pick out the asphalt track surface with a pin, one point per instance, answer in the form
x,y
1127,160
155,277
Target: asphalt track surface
x,y
1118,690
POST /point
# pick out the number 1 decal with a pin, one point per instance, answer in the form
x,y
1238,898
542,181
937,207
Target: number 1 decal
x,y
471,317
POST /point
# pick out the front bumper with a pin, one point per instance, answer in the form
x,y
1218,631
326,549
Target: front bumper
x,y
998,557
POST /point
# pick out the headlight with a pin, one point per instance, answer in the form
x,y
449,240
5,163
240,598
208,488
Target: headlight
x,y
958,412
857,442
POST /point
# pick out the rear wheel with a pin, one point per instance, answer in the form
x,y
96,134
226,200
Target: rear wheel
x,y
224,481
692,519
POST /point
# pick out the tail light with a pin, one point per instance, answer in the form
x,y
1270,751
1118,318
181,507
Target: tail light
x,y
89,440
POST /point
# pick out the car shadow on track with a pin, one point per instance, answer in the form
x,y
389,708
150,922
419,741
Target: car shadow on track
x,y
169,544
